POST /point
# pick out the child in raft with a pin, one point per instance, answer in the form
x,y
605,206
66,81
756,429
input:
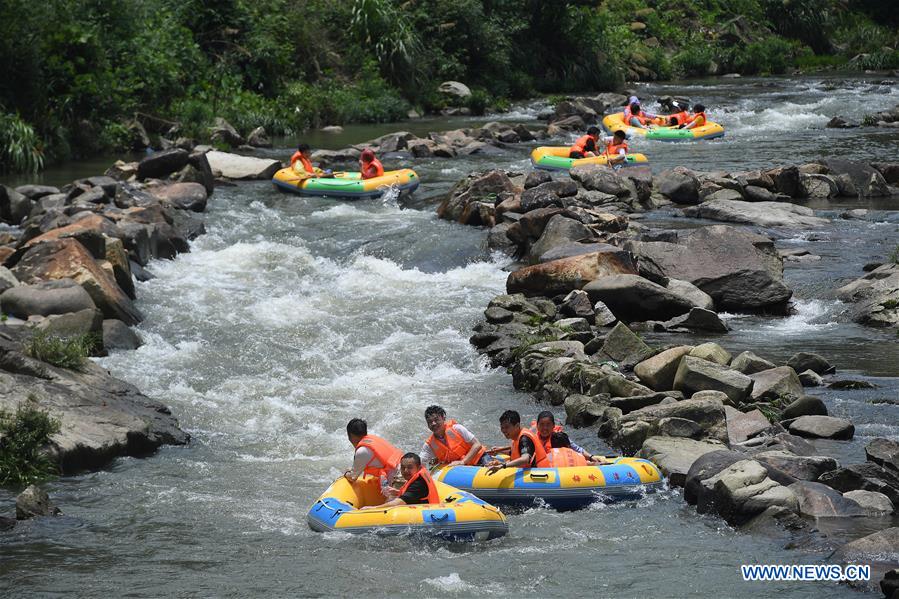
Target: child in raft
x,y
616,148
369,165
697,119
305,167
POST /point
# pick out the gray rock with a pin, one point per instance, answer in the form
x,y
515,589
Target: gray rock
x,y
497,315
751,193
159,165
679,185
776,383
749,363
222,131
867,180
698,319
822,427
7,279
711,352
118,335
679,427
738,269
819,186
691,292
623,346
658,371
725,194
14,207
454,88
258,138
820,501
559,231
675,455
763,214
795,466
695,374
880,546
536,177
786,181
184,196
577,305
741,426
636,402
809,361
810,378
235,166
603,317
864,477
743,490
33,502
49,297
872,502
704,468
582,410
883,452
83,322
631,297
36,192
805,406
599,178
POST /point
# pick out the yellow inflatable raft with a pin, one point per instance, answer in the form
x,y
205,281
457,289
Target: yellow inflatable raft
x,y
460,517
710,130
561,488
346,185
555,158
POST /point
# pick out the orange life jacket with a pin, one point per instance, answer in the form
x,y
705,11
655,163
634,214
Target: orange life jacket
x,y
373,169
699,116
581,144
383,451
612,148
564,457
433,496
453,448
546,443
680,117
307,166
539,457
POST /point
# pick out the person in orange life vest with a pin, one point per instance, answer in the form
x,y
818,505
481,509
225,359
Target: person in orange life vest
x,y
305,166
450,443
678,118
616,147
585,146
697,119
526,449
370,166
545,426
419,487
636,117
373,455
562,455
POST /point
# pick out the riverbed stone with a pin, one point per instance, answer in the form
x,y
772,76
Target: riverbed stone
x,y
159,165
697,319
631,297
810,361
691,292
796,467
748,363
559,230
865,477
658,371
34,502
763,214
186,196
752,193
583,410
118,335
872,502
743,490
820,501
636,402
712,352
743,425
695,374
679,427
623,346
806,405
776,383
883,452
882,546
73,324
704,468
810,378
45,298
564,275
600,178
738,269
235,166
822,427
675,455
679,185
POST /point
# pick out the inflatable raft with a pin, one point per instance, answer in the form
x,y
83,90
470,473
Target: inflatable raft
x,y
555,158
710,130
346,185
560,488
460,517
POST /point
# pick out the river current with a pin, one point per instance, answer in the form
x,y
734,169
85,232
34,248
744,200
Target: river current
x,y
293,315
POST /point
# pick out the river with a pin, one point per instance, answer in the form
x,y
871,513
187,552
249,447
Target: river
x,y
293,315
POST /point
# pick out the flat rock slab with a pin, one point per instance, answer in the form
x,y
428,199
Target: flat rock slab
x,y
675,455
822,427
763,214
235,166
743,425
820,501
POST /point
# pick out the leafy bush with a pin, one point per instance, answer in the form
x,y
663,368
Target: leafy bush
x,y
22,438
20,148
693,61
478,101
65,352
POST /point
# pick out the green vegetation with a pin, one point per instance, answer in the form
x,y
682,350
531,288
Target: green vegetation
x,y
65,352
75,74
23,436
894,255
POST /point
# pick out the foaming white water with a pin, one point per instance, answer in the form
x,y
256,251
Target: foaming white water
x,y
810,315
453,583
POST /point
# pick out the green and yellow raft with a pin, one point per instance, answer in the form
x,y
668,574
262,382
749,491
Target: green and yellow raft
x,y
345,185
555,158
710,130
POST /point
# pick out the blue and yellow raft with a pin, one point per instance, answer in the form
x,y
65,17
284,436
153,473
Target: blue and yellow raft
x,y
560,488
461,516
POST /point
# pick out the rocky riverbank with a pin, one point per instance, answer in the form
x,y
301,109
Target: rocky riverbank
x,y
70,258
735,431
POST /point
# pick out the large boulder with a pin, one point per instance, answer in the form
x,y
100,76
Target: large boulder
x,y
547,194
623,346
704,468
658,371
738,269
695,374
562,276
675,455
680,186
159,165
743,425
804,406
118,335
33,502
820,501
822,427
763,214
631,297
803,361
883,452
743,490
74,324
707,413
186,196
454,88
14,206
749,363
775,383
223,131
872,502
877,297
461,203
864,477
867,181
44,298
691,293
882,546
795,467
67,259
235,166
559,231
712,352
600,178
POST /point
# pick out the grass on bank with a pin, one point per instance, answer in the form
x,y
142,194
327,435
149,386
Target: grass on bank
x,y
65,352
23,435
